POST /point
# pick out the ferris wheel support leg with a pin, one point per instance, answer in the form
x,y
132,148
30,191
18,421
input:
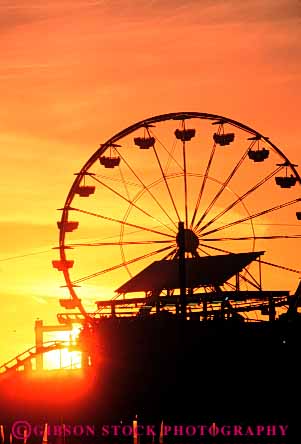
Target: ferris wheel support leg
x,y
272,309
182,270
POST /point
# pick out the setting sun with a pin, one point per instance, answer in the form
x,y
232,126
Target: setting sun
x,y
64,358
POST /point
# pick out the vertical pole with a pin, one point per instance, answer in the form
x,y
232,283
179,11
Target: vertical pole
x,y
205,310
260,278
237,282
272,310
223,310
182,270
113,310
177,307
39,343
157,304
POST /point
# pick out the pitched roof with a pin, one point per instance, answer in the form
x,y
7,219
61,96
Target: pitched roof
x,y
201,271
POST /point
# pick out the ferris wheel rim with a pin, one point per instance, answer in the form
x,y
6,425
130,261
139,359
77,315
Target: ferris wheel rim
x,y
127,131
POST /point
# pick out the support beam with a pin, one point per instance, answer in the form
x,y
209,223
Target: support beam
x,y
182,270
272,309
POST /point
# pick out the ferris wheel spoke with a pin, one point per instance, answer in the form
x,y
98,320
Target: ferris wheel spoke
x,y
293,270
248,281
121,222
224,185
166,183
205,177
110,244
255,283
170,255
170,153
115,179
122,264
243,238
170,156
201,250
241,198
132,203
124,183
252,216
216,248
146,188
281,267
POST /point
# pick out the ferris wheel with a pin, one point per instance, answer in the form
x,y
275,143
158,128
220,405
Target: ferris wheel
x,y
232,188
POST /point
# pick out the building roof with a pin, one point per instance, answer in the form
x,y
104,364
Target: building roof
x,y
201,271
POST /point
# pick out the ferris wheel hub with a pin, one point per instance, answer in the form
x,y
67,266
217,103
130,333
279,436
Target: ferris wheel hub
x,y
191,241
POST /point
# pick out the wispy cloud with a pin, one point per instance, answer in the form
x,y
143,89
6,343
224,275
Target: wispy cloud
x,y
219,12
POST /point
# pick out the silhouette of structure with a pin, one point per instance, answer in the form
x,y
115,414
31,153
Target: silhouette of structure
x,y
177,332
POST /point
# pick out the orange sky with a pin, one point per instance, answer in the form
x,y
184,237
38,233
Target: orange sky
x,y
75,72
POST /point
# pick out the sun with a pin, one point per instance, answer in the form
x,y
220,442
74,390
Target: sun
x,y
65,358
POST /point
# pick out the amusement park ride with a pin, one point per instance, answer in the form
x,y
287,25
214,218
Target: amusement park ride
x,y
191,218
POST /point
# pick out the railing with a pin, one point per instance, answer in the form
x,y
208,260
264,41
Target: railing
x,y
131,308
25,357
